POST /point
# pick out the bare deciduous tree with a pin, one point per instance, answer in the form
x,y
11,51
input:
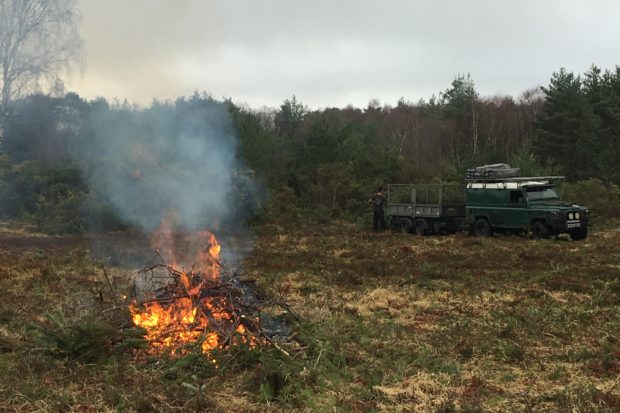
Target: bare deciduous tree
x,y
39,40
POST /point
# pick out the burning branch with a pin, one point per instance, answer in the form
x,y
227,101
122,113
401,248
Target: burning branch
x,y
202,305
178,308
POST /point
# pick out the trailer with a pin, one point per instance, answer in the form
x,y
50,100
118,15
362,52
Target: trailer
x,y
426,208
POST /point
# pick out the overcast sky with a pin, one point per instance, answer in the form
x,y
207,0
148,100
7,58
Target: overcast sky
x,y
334,53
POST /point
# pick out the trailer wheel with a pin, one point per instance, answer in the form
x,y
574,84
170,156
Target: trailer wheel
x,y
482,228
420,226
405,226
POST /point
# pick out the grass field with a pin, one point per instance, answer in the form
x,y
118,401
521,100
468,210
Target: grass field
x,y
384,322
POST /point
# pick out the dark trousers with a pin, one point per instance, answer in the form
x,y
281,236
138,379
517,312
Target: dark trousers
x,y
378,220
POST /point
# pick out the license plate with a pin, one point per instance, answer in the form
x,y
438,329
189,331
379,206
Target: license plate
x,y
573,225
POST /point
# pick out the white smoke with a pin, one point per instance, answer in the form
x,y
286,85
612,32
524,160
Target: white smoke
x,y
147,162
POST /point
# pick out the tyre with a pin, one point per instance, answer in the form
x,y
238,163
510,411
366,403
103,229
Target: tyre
x,y
470,230
405,226
482,228
540,230
579,234
420,226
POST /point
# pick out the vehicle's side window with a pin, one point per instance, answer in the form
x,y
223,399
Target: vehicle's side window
x,y
516,197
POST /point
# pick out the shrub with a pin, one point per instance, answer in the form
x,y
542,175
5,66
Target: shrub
x,y
602,200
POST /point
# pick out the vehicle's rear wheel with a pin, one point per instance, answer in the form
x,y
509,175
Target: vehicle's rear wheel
x,y
420,226
578,234
540,230
405,226
482,228
470,230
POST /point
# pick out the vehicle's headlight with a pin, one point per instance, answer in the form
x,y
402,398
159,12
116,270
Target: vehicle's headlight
x,y
577,215
571,216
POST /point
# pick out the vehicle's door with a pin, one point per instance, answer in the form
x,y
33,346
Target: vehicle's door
x,y
516,209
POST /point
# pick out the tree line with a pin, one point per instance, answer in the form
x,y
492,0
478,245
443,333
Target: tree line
x,y
323,163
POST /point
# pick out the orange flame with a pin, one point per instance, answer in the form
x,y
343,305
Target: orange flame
x,y
185,317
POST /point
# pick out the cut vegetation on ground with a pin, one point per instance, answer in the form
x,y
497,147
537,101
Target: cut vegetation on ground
x,y
379,322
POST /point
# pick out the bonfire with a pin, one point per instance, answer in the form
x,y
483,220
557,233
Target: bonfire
x,y
187,301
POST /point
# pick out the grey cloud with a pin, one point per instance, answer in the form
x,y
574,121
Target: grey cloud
x,y
325,51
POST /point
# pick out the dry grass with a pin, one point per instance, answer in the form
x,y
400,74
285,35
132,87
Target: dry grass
x,y
391,322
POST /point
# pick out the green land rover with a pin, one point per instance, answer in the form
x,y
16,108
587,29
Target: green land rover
x,y
520,204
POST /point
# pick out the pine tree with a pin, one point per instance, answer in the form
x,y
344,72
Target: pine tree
x,y
603,93
566,129
461,103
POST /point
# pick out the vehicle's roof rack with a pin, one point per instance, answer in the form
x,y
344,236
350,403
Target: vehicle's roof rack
x,y
517,179
512,183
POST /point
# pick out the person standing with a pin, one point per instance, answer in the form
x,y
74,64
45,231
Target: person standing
x,y
378,218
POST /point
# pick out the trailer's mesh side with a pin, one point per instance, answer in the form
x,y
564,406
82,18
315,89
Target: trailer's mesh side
x,y
427,194
400,194
454,194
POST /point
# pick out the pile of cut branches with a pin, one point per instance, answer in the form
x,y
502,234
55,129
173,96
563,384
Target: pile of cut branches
x,y
184,308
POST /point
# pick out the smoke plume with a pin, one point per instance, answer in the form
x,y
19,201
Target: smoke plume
x,y
170,157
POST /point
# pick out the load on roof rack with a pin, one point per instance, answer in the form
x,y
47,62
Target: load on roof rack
x,y
493,171
502,173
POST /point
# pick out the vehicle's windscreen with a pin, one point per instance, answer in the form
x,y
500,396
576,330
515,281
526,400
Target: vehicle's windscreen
x,y
542,193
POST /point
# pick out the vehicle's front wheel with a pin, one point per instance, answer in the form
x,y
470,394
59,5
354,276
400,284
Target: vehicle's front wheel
x,y
482,228
578,234
540,230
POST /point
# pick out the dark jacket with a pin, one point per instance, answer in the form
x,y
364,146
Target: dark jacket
x,y
377,201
